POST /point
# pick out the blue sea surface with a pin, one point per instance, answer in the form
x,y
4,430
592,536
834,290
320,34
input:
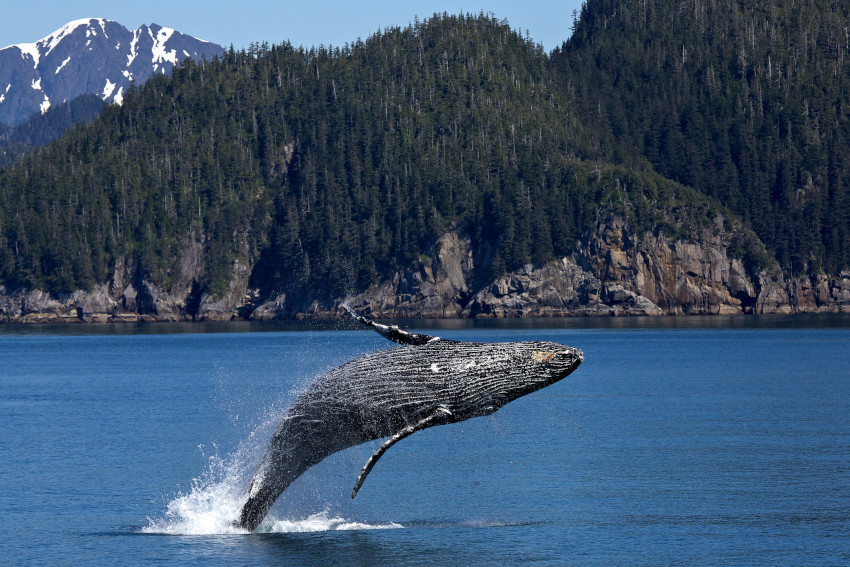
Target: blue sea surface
x,y
677,442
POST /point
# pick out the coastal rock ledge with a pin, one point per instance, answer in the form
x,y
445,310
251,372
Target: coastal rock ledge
x,y
613,272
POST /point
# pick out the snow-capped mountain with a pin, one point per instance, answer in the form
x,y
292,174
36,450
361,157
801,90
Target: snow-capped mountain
x,y
89,56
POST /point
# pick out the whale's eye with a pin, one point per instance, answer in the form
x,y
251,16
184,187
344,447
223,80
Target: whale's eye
x,y
542,356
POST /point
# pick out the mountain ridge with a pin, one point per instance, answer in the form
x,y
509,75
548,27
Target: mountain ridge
x,y
276,182
89,56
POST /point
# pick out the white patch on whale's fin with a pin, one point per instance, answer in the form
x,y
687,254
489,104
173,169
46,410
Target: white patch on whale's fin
x,y
392,332
440,416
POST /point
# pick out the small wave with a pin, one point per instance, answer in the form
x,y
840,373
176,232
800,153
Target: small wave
x,y
320,522
473,524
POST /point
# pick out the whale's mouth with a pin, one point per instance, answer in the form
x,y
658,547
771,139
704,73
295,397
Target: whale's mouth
x,y
571,355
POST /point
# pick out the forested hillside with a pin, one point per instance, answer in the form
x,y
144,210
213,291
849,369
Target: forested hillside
x,y
41,129
749,102
452,167
325,169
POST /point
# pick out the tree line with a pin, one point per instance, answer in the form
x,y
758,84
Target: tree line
x,y
327,169
745,101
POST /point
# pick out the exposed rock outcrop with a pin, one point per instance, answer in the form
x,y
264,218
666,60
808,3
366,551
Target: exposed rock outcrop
x,y
679,277
614,271
436,286
133,297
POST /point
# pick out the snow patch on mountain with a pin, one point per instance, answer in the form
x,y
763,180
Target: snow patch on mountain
x,y
90,56
133,44
59,68
107,89
50,42
160,52
30,49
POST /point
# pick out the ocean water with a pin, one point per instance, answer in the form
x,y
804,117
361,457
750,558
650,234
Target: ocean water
x,y
677,442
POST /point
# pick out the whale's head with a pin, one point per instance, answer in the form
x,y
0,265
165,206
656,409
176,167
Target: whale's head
x,y
525,367
539,364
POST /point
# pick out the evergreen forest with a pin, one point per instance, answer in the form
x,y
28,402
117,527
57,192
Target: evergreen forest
x,y
40,129
326,169
749,102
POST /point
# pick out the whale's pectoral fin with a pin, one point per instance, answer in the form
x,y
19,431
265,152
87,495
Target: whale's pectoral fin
x,y
392,332
440,416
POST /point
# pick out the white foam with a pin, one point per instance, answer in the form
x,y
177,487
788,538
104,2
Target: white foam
x,y
214,503
320,522
210,507
215,499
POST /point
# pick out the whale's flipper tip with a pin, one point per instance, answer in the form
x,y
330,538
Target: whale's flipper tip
x,y
441,416
392,333
351,312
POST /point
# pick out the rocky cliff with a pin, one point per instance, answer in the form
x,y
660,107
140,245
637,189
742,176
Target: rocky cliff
x,y
614,271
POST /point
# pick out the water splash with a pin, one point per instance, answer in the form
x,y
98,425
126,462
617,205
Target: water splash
x,y
215,499
210,507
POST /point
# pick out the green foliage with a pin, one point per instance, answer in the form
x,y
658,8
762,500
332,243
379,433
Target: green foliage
x,y
331,167
745,101
40,129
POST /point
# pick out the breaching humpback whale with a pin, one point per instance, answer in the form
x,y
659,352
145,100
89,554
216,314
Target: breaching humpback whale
x,y
394,393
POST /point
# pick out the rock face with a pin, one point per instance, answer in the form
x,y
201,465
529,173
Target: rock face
x,y
133,297
613,271
436,286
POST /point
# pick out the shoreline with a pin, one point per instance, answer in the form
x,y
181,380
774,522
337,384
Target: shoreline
x,y
600,322
340,316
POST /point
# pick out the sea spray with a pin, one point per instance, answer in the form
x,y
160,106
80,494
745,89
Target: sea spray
x,y
214,499
212,503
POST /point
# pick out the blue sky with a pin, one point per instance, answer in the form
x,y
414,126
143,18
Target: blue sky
x,y
305,22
